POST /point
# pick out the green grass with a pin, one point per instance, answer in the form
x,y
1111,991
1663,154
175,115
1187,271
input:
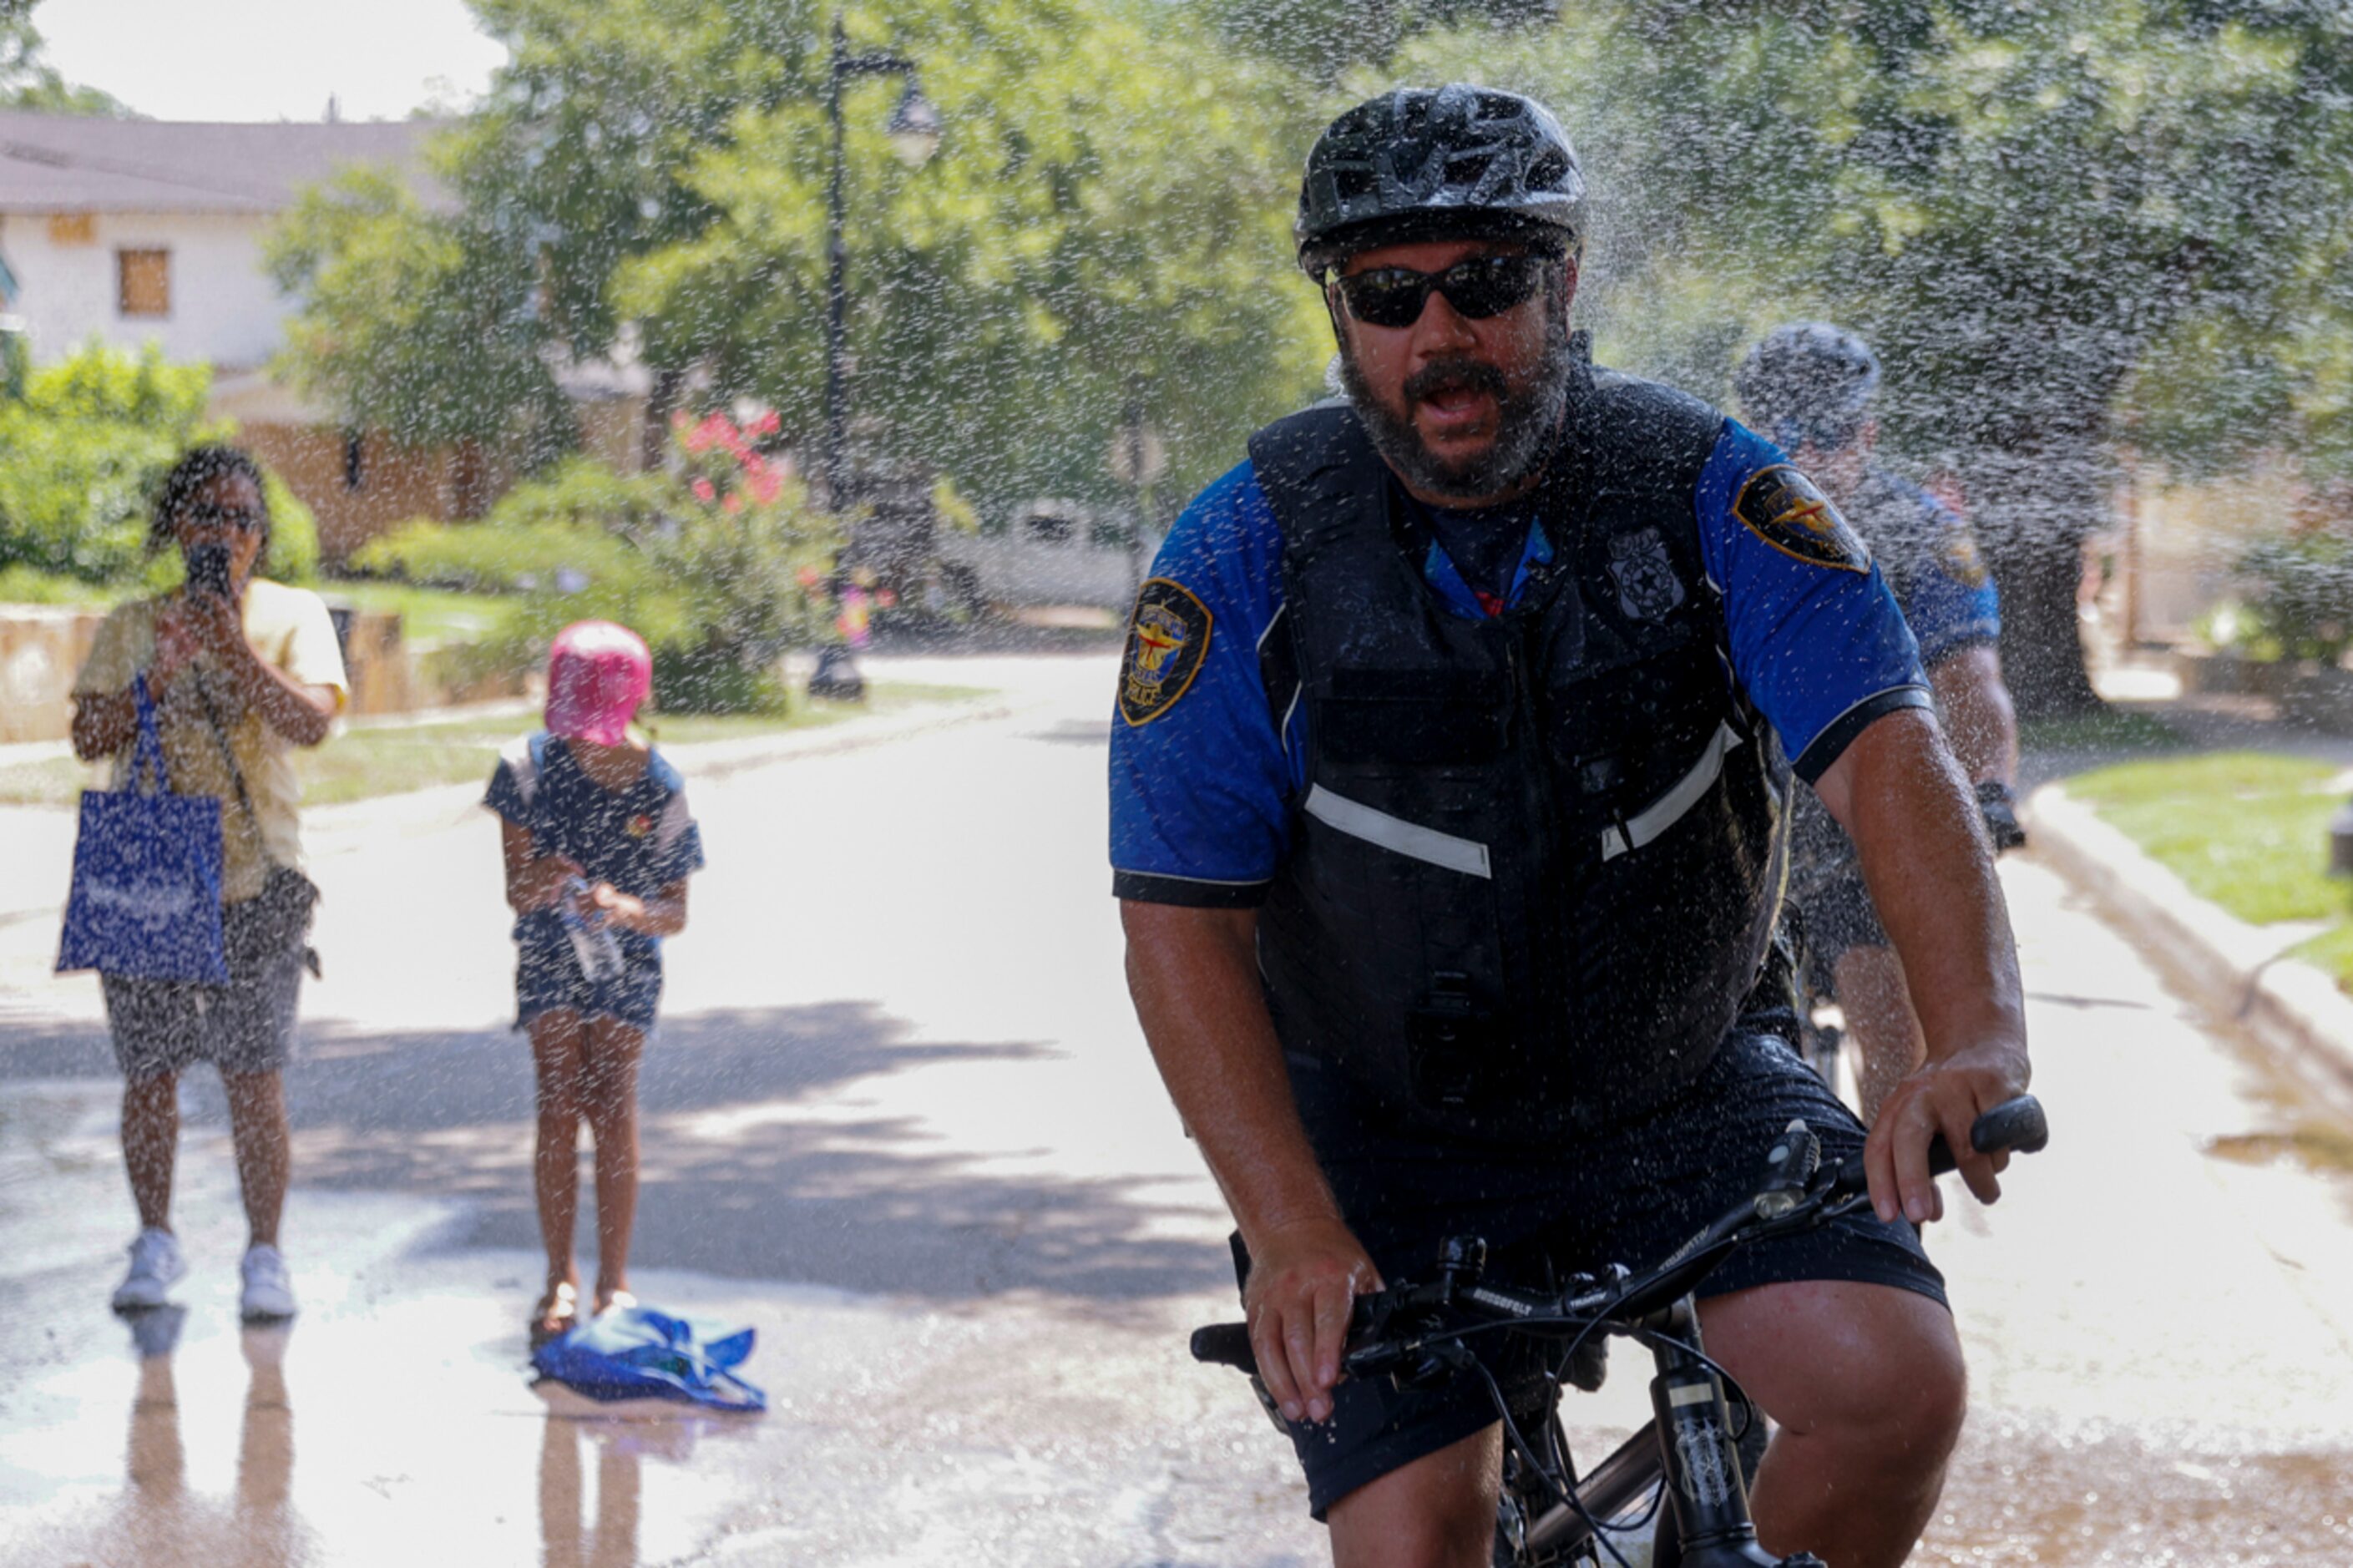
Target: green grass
x,y
369,761
426,614
2331,952
2247,830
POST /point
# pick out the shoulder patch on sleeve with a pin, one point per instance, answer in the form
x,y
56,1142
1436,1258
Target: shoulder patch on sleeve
x,y
1957,549
1787,510
1167,638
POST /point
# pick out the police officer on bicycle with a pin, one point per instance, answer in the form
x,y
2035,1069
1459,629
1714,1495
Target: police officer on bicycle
x,y
1810,386
1455,736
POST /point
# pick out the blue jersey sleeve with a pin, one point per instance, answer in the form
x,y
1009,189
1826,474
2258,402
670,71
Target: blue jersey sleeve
x,y
1816,636
1950,600
1200,781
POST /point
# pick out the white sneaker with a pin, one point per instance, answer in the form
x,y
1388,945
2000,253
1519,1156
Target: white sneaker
x,y
156,1266
268,1290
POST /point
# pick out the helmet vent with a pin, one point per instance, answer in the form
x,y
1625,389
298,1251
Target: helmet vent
x,y
1547,172
1468,170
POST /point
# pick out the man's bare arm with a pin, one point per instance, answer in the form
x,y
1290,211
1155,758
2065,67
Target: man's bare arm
x,y
1193,975
1974,706
1897,791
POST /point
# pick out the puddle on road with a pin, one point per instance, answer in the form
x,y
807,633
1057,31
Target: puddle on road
x,y
2061,1503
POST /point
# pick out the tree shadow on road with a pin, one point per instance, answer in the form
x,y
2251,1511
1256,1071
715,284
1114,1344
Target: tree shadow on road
x,y
740,1176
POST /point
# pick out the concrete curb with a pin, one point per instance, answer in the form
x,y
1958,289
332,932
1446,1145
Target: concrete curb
x,y
2227,964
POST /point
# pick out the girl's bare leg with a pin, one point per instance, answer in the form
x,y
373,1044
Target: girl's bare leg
x,y
559,1042
610,1100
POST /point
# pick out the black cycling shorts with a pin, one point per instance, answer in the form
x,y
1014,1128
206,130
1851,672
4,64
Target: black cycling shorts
x,y
1628,1195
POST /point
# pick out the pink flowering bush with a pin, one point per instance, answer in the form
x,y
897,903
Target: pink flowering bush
x,y
725,562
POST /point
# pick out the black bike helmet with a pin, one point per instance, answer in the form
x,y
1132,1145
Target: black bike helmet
x,y
1809,380
1449,163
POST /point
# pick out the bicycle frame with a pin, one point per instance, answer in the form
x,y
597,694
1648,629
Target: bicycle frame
x,y
1690,1445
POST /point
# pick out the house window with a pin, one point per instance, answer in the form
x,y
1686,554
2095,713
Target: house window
x,y
73,228
143,282
354,459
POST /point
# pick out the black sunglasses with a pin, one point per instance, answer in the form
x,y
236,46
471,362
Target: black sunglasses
x,y
205,514
1479,287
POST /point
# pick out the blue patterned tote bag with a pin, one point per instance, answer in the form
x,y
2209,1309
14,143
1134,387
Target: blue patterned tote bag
x,y
146,899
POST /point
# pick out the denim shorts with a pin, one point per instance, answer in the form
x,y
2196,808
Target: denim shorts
x,y
548,976
1629,1195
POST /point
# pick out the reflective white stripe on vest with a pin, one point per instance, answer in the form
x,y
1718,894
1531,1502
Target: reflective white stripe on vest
x,y
1410,838
1668,809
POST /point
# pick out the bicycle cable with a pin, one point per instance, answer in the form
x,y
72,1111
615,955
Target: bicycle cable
x,y
1567,1493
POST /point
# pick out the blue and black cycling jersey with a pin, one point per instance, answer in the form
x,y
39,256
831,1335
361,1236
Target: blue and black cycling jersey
x,y
1201,792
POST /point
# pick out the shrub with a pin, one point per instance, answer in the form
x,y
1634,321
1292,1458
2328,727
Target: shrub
x,y
82,453
2302,596
85,449
718,564
498,556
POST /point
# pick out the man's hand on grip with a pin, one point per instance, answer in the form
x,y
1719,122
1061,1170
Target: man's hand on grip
x,y
1945,1096
1303,1280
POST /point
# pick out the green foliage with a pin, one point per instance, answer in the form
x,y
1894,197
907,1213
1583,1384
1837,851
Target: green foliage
x,y
2303,593
580,516
1064,257
718,562
422,323
82,453
660,164
27,81
501,557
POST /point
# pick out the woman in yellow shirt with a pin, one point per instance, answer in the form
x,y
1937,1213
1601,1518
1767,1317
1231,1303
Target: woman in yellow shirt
x,y
242,670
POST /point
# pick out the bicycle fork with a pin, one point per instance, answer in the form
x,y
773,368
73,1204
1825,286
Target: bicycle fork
x,y
1701,1458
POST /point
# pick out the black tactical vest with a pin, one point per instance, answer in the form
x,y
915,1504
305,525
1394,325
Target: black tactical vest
x,y
1533,872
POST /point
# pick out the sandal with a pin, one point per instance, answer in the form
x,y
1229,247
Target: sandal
x,y
617,1299
556,1312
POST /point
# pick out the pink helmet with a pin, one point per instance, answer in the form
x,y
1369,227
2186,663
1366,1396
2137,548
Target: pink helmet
x,y
597,673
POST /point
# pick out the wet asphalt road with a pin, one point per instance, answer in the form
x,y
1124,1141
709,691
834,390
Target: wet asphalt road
x,y
898,1119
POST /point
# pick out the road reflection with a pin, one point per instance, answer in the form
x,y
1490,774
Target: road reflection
x,y
161,1522
571,1536
579,1529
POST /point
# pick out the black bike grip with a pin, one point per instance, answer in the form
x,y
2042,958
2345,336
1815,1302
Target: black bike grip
x,y
1225,1345
2015,1126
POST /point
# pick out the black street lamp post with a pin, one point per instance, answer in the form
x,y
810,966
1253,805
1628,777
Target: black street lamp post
x,y
914,132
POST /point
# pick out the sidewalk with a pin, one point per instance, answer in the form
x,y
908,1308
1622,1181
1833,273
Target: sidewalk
x,y
2236,969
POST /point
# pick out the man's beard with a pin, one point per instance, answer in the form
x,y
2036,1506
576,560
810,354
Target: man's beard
x,y
1526,421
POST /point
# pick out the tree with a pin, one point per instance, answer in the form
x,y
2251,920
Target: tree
x,y
1105,230
2024,207
1104,234
425,324
27,81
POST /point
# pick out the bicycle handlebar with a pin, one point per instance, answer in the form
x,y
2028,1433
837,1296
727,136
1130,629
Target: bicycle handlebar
x,y
2015,1126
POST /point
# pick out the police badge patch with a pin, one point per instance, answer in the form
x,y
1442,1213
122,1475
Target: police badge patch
x,y
1957,549
1648,588
1784,509
1167,638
